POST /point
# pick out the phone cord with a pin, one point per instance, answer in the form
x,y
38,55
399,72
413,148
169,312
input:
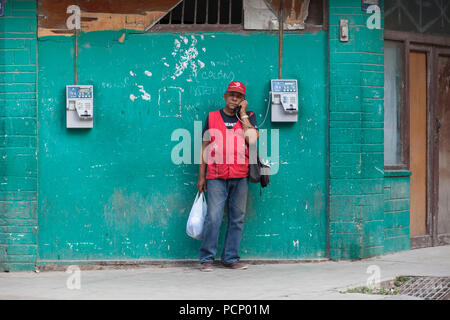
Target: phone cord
x,y
265,117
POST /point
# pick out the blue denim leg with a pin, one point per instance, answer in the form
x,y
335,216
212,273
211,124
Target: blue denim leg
x,y
217,195
237,193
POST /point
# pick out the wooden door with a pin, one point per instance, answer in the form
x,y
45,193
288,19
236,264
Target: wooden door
x,y
418,141
443,114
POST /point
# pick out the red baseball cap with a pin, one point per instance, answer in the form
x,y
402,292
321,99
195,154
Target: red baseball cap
x,y
236,86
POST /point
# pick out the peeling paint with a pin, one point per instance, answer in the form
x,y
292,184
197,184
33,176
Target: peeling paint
x,y
145,95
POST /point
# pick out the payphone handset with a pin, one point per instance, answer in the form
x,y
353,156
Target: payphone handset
x,y
80,106
284,96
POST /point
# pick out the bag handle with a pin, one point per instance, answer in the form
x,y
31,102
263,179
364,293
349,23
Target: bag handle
x,y
196,197
202,194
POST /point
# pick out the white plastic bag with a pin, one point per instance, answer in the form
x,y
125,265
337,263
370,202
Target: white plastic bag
x,y
194,226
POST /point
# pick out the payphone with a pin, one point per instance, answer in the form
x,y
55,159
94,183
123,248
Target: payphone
x,y
79,106
284,96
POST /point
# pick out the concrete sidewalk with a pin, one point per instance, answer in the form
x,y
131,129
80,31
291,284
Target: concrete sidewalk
x,y
322,280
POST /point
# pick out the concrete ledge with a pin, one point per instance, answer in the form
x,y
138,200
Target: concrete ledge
x,y
61,265
11,266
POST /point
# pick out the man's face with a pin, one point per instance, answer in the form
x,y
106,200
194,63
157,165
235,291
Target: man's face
x,y
233,99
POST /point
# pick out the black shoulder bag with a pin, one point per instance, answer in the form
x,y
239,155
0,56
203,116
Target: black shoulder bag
x,y
259,172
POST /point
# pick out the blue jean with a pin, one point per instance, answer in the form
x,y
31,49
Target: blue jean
x,y
218,192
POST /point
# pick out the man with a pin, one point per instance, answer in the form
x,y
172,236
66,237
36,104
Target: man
x,y
225,156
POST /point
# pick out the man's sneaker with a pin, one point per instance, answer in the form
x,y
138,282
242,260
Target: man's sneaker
x,y
236,265
206,267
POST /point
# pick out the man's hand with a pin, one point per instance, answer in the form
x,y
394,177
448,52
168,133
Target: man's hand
x,y
201,184
243,105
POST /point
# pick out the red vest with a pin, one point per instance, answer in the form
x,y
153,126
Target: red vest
x,y
227,151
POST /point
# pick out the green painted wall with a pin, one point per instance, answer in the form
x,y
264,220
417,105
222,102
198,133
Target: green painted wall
x,y
396,211
18,136
356,203
111,192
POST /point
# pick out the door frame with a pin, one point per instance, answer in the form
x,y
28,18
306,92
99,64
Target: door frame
x,y
433,46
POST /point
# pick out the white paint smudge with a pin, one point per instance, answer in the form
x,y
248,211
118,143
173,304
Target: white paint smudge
x,y
132,97
177,47
187,58
148,73
186,53
179,69
166,64
378,169
145,95
132,73
204,49
194,67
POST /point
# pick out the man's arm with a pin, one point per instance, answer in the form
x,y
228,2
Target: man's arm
x,y
201,183
250,133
